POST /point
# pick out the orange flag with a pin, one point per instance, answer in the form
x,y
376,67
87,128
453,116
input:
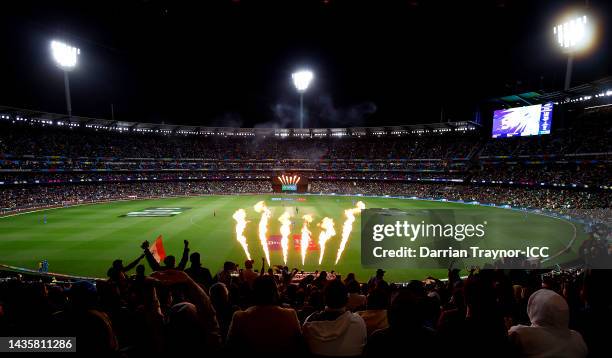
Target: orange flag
x,y
157,249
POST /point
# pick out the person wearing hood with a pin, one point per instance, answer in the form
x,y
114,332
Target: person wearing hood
x,y
548,335
335,331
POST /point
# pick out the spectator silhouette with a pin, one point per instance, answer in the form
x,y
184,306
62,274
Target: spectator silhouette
x,y
406,329
356,301
548,335
483,324
335,331
199,274
265,328
117,268
169,261
247,275
219,297
375,315
82,319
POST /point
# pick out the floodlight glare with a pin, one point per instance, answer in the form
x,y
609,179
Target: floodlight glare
x,y
572,34
64,55
302,79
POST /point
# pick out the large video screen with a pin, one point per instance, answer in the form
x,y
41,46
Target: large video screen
x,y
522,121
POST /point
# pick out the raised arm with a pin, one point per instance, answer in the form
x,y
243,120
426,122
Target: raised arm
x,y
133,264
185,257
150,259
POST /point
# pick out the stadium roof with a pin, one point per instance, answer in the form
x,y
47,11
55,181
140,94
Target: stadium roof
x,y
528,98
46,118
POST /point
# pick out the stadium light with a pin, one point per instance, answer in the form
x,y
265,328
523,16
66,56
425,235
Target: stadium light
x,y
572,35
301,81
65,57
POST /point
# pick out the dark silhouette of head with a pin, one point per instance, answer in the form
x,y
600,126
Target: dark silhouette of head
x,y
170,261
265,291
378,300
336,295
416,287
479,296
140,270
229,266
194,258
118,264
83,295
219,295
185,329
405,311
353,287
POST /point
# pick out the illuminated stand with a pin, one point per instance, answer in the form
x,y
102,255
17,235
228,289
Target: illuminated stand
x,y
65,57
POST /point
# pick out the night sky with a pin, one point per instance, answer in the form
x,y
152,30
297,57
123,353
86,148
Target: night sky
x,y
228,63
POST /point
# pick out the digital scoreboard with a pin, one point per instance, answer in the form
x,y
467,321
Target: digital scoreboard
x,y
522,121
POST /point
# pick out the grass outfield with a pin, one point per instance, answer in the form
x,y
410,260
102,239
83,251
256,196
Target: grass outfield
x,y
84,240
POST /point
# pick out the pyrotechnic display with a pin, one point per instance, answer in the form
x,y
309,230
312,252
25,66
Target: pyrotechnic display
x,y
305,240
241,222
261,207
347,228
289,179
327,231
326,225
285,231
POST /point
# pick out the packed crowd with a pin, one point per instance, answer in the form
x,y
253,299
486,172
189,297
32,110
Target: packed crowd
x,y
23,197
560,200
19,140
45,164
105,177
577,154
552,199
182,309
580,174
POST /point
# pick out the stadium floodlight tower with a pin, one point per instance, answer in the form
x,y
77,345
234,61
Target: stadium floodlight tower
x,y
65,57
301,81
572,35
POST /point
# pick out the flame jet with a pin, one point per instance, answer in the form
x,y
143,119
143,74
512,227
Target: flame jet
x,y
240,217
285,231
327,226
261,207
348,226
305,237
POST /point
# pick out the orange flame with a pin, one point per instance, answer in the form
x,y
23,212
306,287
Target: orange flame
x,y
328,231
261,207
305,237
285,231
240,217
348,226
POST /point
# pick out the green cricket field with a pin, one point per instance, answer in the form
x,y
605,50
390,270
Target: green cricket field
x,y
84,240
